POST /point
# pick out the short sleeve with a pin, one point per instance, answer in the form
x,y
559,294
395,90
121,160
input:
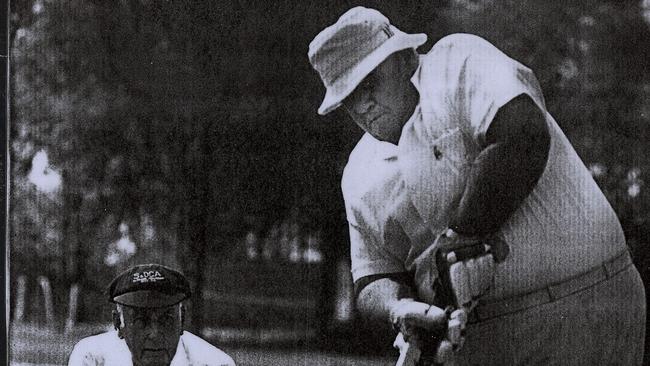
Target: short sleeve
x,y
371,185
75,358
80,355
490,79
200,352
369,253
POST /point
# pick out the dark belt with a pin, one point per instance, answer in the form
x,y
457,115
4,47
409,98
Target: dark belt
x,y
551,293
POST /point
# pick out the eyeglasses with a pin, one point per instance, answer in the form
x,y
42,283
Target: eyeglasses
x,y
142,319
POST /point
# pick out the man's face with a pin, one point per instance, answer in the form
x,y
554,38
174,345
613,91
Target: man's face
x,y
383,102
152,334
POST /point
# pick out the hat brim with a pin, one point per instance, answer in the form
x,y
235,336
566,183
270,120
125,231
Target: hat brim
x,y
149,299
346,84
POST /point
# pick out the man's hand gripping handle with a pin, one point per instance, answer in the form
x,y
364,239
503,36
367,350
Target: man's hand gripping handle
x,y
466,270
419,325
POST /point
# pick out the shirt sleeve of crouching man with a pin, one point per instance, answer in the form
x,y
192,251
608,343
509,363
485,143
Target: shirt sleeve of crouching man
x,y
104,349
199,352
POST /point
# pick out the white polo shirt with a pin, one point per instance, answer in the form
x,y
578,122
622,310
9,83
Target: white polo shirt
x,y
563,228
107,349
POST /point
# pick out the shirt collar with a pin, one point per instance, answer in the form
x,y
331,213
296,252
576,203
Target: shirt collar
x,y
182,357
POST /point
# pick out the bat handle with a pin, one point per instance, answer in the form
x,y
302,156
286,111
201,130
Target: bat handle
x,y
409,354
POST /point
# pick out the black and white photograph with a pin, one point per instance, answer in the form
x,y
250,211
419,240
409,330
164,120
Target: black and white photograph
x,y
413,183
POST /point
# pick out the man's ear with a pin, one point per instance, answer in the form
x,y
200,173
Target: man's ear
x,y
181,309
117,323
409,59
116,320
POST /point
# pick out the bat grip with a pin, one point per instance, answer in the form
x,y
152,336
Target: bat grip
x,y
409,353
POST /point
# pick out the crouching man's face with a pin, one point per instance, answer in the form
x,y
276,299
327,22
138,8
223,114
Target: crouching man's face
x,y
152,334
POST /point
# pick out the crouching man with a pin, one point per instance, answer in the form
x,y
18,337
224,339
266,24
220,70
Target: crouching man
x,y
148,320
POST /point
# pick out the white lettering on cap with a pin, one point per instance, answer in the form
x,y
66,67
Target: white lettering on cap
x,y
147,276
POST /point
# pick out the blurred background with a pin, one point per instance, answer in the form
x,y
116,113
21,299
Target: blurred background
x,y
185,132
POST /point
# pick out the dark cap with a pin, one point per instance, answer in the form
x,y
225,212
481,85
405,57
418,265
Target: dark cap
x,y
149,286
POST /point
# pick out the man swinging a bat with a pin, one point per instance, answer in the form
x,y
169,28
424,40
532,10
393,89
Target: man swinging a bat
x,y
475,228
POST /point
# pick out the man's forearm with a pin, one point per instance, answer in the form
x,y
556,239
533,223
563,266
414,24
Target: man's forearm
x,y
376,300
506,171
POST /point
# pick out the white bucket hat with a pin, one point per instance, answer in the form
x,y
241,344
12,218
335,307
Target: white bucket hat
x,y
345,53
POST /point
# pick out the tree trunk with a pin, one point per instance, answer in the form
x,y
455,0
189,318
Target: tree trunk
x,y
192,238
20,304
195,228
199,281
48,301
73,301
73,238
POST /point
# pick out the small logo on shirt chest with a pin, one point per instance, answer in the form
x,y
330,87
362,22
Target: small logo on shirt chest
x,y
436,152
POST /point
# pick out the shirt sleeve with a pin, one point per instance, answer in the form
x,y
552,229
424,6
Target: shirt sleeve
x,y
371,188
81,357
227,361
369,255
490,79
202,353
